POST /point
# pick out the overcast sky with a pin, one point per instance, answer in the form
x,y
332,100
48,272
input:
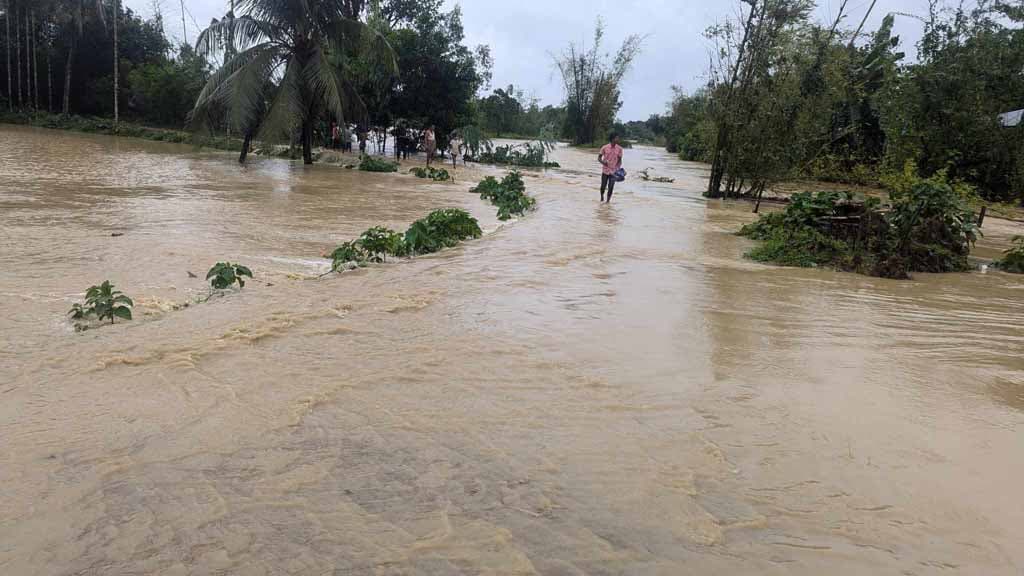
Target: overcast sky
x,y
523,34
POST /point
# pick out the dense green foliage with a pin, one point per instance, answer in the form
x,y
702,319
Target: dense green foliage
x,y
791,98
442,228
509,195
369,163
928,228
225,274
526,154
431,173
1013,260
64,62
103,303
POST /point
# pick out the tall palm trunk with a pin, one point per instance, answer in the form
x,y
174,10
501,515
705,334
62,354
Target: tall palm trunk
x,y
67,74
117,74
307,141
35,62
17,47
28,63
10,85
49,76
245,147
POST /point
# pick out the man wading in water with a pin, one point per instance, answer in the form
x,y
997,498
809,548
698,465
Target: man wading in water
x,y
610,158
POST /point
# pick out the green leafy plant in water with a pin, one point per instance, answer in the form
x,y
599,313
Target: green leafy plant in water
x,y
435,174
509,195
1013,261
225,274
379,242
368,163
104,303
347,252
442,228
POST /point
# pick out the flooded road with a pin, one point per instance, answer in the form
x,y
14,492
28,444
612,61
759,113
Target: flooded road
x,y
590,390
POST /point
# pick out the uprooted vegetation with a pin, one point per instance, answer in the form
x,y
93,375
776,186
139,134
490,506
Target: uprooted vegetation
x,y
927,228
509,195
442,228
1013,261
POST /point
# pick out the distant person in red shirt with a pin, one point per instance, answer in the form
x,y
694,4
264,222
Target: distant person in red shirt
x,y
610,158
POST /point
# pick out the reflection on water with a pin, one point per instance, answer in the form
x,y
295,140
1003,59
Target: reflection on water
x,y
591,390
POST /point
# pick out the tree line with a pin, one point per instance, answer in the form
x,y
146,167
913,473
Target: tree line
x,y
788,97
265,68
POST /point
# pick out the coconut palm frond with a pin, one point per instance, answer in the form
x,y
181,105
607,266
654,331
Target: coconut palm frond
x,y
239,82
286,109
242,32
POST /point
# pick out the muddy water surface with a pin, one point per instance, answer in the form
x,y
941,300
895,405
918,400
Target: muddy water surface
x,y
591,390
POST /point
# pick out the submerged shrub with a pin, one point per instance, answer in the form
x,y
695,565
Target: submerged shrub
x,y
928,229
103,303
509,195
369,163
379,242
225,274
1013,261
347,252
435,174
442,228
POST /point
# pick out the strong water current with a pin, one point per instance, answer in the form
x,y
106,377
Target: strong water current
x,y
589,390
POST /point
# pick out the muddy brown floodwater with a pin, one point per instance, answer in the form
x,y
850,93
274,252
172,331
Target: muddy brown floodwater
x,y
590,390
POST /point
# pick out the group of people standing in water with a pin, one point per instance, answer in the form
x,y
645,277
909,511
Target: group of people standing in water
x,y
407,141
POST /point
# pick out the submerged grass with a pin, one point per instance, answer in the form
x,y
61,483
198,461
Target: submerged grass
x,y
93,125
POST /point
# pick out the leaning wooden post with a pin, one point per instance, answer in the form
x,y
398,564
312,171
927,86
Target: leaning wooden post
x,y
981,215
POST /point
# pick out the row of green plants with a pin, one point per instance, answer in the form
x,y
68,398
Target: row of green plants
x,y
442,228
527,155
508,194
431,173
928,227
103,302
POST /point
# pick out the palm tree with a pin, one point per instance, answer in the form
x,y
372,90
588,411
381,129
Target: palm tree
x,y
75,9
288,69
10,88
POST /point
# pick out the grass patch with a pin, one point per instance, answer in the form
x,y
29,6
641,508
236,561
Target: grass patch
x,y
105,126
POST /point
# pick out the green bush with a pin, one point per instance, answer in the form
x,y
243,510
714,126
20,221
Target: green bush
x,y
441,229
801,247
928,229
435,174
509,195
371,164
1013,261
379,242
347,252
103,302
